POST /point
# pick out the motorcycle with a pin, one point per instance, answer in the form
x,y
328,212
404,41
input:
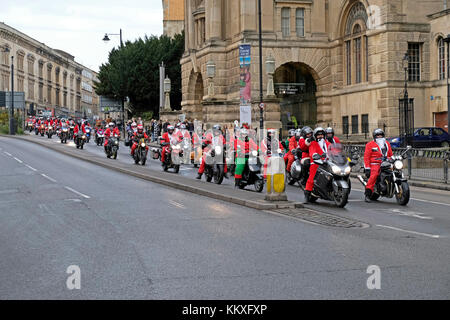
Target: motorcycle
x,y
391,180
332,177
88,134
42,130
49,132
64,134
71,129
252,173
215,164
140,153
168,161
36,129
80,140
295,174
112,147
100,137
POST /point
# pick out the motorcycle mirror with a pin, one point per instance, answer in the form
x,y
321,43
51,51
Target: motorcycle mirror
x,y
408,147
316,157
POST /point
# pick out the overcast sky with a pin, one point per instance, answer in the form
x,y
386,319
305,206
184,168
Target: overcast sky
x,y
78,26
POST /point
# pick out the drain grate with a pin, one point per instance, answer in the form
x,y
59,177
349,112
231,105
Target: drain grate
x,y
322,218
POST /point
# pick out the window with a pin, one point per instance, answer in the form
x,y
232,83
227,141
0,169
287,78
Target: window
x,y
424,132
441,49
414,61
345,125
365,123
348,62
65,99
20,84
20,61
285,22
41,68
300,22
6,55
30,90
57,97
358,60
49,74
437,132
366,50
31,67
355,124
41,92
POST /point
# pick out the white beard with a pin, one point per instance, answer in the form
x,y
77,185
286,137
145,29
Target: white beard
x,y
381,142
323,145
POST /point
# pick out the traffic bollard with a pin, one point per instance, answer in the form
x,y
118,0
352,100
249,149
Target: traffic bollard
x,y
276,186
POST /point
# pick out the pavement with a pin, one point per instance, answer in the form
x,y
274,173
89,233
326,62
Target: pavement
x,y
136,239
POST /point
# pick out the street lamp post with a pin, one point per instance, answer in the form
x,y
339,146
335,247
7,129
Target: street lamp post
x,y
405,98
447,40
261,105
106,39
11,112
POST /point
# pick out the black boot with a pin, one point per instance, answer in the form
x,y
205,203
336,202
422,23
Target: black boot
x,y
368,195
199,176
237,182
307,196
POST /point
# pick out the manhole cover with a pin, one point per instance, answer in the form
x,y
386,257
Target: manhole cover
x,y
322,218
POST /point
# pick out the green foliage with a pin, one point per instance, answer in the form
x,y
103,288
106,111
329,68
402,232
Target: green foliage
x,y
133,71
4,123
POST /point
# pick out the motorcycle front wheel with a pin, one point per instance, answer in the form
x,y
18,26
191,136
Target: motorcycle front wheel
x,y
177,168
218,176
341,198
403,196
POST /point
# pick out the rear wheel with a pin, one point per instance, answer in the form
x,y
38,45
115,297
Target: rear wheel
x,y
403,196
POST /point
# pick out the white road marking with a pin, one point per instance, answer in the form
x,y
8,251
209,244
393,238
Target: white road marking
x,y
18,160
434,236
411,214
48,178
78,193
30,168
176,204
7,153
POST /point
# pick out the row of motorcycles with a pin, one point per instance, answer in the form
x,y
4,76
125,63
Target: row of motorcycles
x,y
332,180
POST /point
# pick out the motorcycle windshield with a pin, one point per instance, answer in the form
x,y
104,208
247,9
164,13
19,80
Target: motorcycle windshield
x,y
335,154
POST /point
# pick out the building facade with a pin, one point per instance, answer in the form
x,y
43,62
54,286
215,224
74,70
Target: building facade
x,y
337,63
51,79
173,17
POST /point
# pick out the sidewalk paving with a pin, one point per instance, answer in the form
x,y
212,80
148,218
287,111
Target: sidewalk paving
x,y
245,198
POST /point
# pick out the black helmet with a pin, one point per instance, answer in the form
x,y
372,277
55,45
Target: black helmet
x,y
317,131
377,132
217,129
306,131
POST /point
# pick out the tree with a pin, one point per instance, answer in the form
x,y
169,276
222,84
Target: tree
x,y
133,71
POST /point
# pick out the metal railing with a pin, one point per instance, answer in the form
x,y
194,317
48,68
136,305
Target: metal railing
x,y
420,164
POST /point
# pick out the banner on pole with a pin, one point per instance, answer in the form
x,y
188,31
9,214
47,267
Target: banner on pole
x,y
245,82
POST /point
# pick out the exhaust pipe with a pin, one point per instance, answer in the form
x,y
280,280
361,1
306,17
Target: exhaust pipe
x,y
362,180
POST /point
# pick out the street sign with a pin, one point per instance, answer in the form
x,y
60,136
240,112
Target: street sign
x,y
19,99
110,105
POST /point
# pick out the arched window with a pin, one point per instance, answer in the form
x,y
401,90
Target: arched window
x,y
441,62
356,45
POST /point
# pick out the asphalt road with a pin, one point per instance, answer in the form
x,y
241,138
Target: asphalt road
x,y
134,239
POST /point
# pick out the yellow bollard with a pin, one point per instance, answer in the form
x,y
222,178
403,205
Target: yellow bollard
x,y
276,179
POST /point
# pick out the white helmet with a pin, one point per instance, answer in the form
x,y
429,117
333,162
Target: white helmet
x,y
111,124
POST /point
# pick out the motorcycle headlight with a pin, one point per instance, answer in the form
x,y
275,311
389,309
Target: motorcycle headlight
x,y
348,170
176,147
279,150
398,165
254,153
117,142
336,170
143,145
84,137
218,150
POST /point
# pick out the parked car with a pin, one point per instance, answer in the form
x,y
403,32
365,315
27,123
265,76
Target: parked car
x,y
426,137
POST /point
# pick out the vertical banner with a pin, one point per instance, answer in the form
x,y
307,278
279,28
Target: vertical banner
x,y
245,83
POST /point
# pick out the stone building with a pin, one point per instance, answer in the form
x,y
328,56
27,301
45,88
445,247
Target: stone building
x,y
337,62
173,17
51,79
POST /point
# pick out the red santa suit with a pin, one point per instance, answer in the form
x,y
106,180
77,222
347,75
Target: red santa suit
x,y
372,160
110,132
320,148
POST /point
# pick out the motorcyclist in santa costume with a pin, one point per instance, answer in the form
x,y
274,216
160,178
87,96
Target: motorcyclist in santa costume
x,y
139,134
212,139
373,157
304,144
112,129
318,145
